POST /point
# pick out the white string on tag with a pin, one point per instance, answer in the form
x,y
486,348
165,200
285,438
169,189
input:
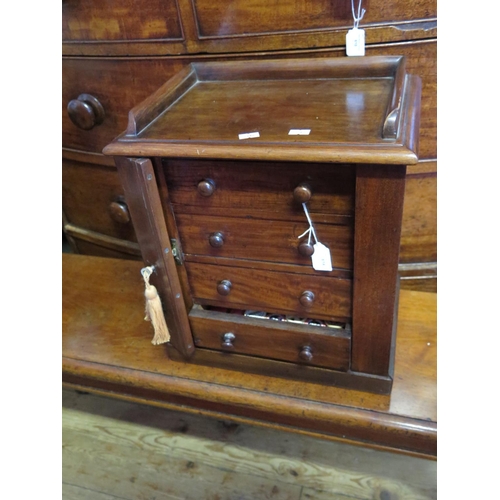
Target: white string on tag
x,y
361,12
310,230
321,257
355,38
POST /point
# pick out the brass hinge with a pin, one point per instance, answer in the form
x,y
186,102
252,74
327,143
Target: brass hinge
x,y
176,252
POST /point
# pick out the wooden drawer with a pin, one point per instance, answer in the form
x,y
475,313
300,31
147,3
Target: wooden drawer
x,y
92,198
294,16
259,189
310,345
118,85
95,20
263,240
271,291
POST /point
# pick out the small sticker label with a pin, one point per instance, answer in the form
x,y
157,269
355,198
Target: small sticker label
x,y
355,42
321,258
299,131
248,135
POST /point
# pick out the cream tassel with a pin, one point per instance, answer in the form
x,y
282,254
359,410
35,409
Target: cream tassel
x,y
154,311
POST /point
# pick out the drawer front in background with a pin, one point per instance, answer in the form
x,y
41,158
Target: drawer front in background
x,y
263,240
92,198
244,17
325,347
95,20
271,291
255,188
118,85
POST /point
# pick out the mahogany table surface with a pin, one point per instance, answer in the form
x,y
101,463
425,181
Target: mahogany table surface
x,y
107,350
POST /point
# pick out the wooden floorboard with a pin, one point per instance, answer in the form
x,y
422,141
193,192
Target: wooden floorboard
x,y
118,449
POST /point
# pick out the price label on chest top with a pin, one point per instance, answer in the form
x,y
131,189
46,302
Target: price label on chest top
x,y
321,258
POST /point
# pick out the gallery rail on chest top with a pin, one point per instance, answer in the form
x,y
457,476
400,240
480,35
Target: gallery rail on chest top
x,y
268,197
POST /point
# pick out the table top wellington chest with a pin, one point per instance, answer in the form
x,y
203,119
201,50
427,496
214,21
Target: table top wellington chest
x,y
267,196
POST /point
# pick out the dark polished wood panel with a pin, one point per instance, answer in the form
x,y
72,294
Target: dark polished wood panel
x,y
93,199
273,291
139,182
263,240
95,20
102,352
260,189
379,208
306,345
419,231
249,17
272,108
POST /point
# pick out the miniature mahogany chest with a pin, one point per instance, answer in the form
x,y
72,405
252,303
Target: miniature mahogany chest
x,y
268,196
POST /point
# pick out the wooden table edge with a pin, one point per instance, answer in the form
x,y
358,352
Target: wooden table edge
x,y
368,428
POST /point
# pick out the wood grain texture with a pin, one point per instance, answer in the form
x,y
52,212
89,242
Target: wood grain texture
x,y
271,241
379,207
94,21
343,102
139,182
106,347
240,18
271,291
87,194
205,446
233,26
419,227
272,339
260,190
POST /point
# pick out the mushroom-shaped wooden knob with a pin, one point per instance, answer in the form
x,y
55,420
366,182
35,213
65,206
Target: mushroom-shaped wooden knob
x,y
307,298
306,249
302,193
306,354
216,240
228,339
118,211
206,187
224,287
86,111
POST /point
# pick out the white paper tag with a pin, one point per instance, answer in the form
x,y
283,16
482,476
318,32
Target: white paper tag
x,y
355,42
299,131
248,135
321,258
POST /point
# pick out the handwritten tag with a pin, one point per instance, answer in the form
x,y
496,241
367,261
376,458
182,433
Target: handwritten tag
x,y
321,258
355,42
248,135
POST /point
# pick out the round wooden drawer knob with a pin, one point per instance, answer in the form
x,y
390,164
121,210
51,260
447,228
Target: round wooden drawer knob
x,y
306,249
228,339
307,298
86,111
119,212
216,240
306,354
302,193
206,187
224,287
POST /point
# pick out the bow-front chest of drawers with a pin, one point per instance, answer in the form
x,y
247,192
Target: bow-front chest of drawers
x,y
234,171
